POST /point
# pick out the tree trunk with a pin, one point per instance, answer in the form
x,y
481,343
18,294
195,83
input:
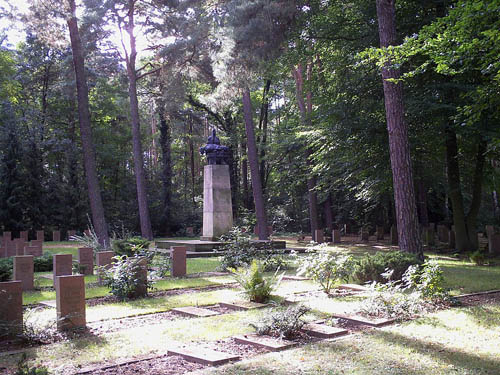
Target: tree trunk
x,y
306,121
327,205
404,194
244,174
96,207
166,176
258,196
422,203
264,109
140,179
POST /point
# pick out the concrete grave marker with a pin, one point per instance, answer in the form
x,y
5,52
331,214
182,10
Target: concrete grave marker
x,y
10,248
267,342
24,235
70,302
11,308
3,252
38,245
323,331
336,236
319,236
24,271
63,265
178,261
364,234
40,235
86,260
202,355
494,244
56,235
19,245
193,311
243,305
7,237
103,259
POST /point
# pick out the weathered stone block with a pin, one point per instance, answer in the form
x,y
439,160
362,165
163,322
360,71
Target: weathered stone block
x,y
70,302
319,236
11,308
86,260
103,259
336,236
24,235
178,261
63,265
40,235
56,235
24,271
494,244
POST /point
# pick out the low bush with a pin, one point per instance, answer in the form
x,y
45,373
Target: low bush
x,y
282,323
43,263
257,287
371,267
427,279
477,257
239,252
326,267
6,265
23,368
124,279
130,246
162,266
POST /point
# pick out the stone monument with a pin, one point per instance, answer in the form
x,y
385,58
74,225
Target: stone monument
x,y
217,206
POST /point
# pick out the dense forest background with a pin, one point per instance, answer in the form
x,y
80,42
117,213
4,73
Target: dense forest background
x,y
312,72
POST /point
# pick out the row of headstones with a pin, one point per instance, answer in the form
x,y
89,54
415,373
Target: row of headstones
x,y
493,235
40,235
70,289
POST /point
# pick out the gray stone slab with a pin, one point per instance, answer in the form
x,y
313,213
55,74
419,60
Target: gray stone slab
x,y
203,356
194,311
323,331
267,342
354,287
378,322
242,305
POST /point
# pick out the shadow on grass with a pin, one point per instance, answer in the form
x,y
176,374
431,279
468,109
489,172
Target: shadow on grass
x,y
458,358
487,316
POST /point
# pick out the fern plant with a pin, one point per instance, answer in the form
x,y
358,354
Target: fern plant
x,y
256,286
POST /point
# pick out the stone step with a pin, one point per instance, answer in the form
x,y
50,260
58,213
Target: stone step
x,y
267,342
191,311
323,331
376,322
203,356
242,305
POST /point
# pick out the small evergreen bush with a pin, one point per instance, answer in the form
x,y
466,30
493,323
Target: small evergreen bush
x,y
6,265
371,267
130,246
43,263
123,278
282,323
257,287
326,267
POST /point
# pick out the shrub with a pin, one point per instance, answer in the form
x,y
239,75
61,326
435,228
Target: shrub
x,y
282,323
130,246
163,265
6,265
427,279
477,257
371,267
257,287
23,368
239,252
43,263
90,240
326,267
124,280
36,331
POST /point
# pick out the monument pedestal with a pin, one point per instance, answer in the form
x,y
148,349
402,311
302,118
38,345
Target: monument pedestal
x,y
217,206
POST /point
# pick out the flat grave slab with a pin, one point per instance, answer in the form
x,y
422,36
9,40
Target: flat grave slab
x,y
267,342
354,287
49,303
295,278
242,305
198,312
203,356
323,331
376,322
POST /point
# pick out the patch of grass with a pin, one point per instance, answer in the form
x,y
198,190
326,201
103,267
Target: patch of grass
x,y
195,265
463,341
62,250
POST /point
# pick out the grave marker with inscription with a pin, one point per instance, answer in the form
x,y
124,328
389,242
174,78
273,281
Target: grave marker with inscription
x,y
70,302
319,236
56,235
24,235
63,265
24,271
178,261
40,235
103,259
336,236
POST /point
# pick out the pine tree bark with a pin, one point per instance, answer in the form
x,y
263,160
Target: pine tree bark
x,y
166,175
140,178
96,206
263,121
305,114
404,192
327,206
258,196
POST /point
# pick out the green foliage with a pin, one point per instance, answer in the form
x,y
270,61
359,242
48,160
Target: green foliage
x,y
427,279
23,368
282,323
44,263
257,287
130,246
162,266
240,252
477,257
6,265
371,267
326,267
123,278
